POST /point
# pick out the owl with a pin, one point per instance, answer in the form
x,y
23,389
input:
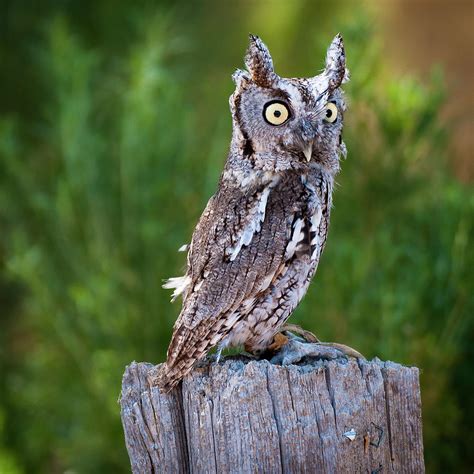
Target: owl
x,y
258,242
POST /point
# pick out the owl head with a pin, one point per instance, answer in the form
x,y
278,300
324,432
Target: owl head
x,y
288,123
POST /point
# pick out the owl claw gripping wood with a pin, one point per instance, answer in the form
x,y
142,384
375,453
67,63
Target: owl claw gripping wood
x,y
258,243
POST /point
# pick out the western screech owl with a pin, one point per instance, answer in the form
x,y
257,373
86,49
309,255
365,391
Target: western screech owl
x,y
258,242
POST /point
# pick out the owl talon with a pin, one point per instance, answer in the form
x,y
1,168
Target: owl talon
x,y
279,341
295,329
296,350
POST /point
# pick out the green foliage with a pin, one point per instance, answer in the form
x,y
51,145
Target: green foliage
x,y
104,178
8,464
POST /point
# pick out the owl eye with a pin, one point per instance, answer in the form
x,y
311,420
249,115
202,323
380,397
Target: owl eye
x,y
330,115
276,112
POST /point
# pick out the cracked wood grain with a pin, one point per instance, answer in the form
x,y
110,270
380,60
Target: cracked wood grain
x,y
243,416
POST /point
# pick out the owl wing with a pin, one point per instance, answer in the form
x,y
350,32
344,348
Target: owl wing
x,y
242,242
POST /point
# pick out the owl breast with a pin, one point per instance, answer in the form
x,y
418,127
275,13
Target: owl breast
x,y
304,203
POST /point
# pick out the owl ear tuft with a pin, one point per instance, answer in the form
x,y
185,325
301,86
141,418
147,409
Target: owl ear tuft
x,y
335,70
241,78
259,62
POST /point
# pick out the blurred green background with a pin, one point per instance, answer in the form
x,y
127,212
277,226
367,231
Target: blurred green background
x,y
114,126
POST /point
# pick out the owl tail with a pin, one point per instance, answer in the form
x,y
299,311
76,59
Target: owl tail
x,y
185,349
166,377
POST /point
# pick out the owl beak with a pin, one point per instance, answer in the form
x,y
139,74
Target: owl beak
x,y
308,151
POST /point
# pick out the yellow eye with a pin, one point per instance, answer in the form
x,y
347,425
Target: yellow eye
x,y
276,112
330,113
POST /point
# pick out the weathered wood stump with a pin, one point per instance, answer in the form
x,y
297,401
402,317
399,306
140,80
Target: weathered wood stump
x,y
244,416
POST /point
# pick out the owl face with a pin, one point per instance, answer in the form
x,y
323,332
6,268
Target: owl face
x,y
289,123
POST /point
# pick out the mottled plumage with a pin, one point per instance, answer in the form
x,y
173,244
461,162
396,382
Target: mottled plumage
x,y
258,242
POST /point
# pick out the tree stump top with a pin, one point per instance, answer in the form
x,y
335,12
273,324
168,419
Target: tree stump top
x,y
253,416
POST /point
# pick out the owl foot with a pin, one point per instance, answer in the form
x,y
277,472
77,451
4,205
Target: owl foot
x,y
280,340
295,329
297,348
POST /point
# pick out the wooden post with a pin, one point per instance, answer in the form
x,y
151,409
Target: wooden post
x,y
244,416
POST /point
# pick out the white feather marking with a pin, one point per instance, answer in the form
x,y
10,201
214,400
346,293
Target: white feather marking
x,y
232,319
183,248
247,304
255,223
178,283
315,221
266,282
315,252
296,237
